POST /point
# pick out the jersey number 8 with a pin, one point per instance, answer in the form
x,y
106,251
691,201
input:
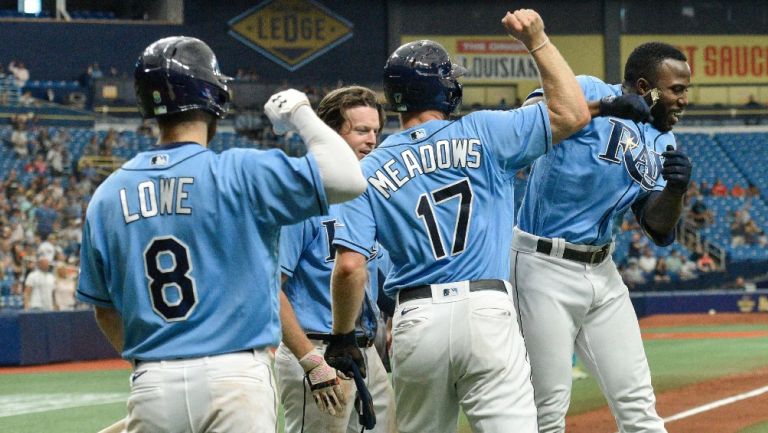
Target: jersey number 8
x,y
167,265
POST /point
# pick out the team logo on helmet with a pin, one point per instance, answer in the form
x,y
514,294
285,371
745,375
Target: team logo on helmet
x,y
156,97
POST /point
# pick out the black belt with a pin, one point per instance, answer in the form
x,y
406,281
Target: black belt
x,y
425,291
362,340
589,257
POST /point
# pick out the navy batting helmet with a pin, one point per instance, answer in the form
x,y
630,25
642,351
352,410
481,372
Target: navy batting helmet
x,y
179,74
419,76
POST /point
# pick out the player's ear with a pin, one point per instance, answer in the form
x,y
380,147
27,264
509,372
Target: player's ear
x,y
642,86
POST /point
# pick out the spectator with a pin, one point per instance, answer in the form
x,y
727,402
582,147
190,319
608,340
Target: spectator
x,y
752,190
20,73
742,284
674,263
113,72
738,233
738,191
719,189
38,287
638,244
705,189
26,99
647,262
64,288
706,263
699,214
752,118
633,275
661,273
50,249
688,270
754,235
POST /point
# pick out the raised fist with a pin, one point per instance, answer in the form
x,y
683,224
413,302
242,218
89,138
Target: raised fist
x,y
527,26
280,108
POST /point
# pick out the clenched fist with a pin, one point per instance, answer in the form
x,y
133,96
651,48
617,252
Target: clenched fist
x,y
527,26
280,108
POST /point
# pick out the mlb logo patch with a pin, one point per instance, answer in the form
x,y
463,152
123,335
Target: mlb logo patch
x,y
159,160
450,291
418,134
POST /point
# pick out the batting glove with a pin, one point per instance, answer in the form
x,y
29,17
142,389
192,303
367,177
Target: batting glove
x,y
342,351
324,383
628,106
280,108
676,170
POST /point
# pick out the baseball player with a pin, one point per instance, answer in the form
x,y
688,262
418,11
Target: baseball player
x,y
568,286
306,261
436,192
179,250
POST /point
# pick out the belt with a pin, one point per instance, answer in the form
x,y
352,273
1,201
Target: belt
x,y
589,257
362,340
425,291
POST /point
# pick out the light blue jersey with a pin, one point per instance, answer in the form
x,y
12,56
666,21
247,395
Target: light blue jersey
x,y
183,243
581,189
438,195
307,256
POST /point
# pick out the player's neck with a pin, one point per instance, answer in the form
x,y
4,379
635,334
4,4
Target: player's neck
x,y
194,131
417,118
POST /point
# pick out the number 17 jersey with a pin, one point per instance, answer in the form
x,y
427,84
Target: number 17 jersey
x,y
440,196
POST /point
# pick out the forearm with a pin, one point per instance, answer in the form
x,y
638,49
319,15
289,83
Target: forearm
x,y
568,111
347,291
339,168
111,325
662,214
293,336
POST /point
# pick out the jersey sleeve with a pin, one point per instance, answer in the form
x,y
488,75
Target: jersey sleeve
x,y
291,247
92,282
589,86
283,189
515,137
357,230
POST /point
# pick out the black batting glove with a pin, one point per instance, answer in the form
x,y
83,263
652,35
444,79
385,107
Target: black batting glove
x,y
342,352
676,170
628,106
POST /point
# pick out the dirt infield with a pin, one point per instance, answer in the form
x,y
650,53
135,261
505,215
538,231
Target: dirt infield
x,y
106,364
729,418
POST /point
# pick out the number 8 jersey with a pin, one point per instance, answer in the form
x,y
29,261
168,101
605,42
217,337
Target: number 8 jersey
x,y
183,243
440,196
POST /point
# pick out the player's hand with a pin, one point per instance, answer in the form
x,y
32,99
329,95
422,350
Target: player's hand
x,y
324,383
628,106
676,170
342,351
280,108
527,26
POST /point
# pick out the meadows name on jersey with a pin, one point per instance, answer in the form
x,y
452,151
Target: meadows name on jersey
x,y
164,196
427,158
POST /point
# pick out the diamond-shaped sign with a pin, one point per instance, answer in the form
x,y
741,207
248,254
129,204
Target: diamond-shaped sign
x,y
291,33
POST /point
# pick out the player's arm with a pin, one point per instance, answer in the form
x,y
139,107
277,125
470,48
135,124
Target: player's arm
x,y
323,381
347,292
111,324
628,106
566,107
340,171
660,211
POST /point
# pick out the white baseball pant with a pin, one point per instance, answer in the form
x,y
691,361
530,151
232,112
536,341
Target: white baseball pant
x,y
299,406
461,348
564,301
230,393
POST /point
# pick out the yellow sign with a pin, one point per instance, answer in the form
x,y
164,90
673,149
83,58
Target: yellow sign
x,y
291,33
714,59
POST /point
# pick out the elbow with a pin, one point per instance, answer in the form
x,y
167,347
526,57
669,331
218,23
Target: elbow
x,y
570,120
348,190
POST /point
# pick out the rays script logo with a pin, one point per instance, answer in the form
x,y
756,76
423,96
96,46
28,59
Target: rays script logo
x,y
643,165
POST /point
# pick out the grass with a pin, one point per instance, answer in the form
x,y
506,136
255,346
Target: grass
x,y
674,363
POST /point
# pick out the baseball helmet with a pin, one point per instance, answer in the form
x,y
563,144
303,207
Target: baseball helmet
x,y
179,74
419,76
